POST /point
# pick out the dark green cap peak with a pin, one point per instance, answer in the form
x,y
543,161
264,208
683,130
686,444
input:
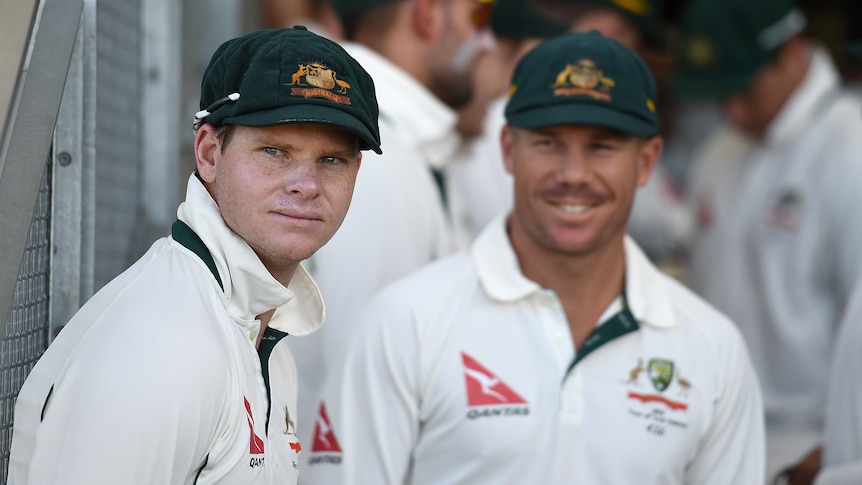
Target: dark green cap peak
x,y
583,79
723,44
280,76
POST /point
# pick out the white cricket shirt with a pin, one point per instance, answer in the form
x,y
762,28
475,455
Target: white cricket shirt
x,y
460,373
778,247
156,379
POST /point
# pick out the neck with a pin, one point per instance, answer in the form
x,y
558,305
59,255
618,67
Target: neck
x,y
586,284
264,322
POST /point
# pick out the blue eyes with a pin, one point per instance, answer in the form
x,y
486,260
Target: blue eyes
x,y
276,152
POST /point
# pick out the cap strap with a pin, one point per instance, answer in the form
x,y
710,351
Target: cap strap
x,y
202,114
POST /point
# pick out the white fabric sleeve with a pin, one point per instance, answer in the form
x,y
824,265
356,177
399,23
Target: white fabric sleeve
x,y
842,437
733,448
373,404
845,230
124,414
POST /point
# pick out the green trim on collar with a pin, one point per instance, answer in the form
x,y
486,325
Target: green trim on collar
x,y
184,235
270,338
621,323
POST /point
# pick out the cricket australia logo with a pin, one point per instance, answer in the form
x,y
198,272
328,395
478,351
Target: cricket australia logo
x,y
658,409
322,81
583,78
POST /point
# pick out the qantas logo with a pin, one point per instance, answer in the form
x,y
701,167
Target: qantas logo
x,y
325,444
255,446
255,443
484,389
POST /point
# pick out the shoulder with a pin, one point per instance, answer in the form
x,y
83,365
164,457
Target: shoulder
x,y
701,320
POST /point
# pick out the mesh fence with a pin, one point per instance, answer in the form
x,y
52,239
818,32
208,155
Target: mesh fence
x,y
27,327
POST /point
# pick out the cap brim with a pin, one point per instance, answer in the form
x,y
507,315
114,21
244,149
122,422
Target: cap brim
x,y
583,114
714,84
308,113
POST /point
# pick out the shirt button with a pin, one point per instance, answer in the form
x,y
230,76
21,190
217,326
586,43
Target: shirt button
x,y
252,336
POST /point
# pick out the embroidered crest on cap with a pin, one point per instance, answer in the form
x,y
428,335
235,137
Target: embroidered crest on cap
x,y
583,78
700,52
323,81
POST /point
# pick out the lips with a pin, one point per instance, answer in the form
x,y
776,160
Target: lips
x,y
299,215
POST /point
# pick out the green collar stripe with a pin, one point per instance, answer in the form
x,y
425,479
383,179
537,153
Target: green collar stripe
x,y
184,235
270,337
620,324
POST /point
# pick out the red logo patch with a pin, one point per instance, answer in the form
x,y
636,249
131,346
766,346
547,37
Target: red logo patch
x,y
324,436
484,388
255,443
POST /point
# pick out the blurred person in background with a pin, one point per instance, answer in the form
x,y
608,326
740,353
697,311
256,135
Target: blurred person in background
x,y
316,15
842,436
478,174
771,189
422,55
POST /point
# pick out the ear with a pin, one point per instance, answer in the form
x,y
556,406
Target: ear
x,y
359,161
426,15
647,158
506,142
207,149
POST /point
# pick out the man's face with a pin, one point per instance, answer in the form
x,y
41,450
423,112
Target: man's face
x,y
574,186
283,189
461,42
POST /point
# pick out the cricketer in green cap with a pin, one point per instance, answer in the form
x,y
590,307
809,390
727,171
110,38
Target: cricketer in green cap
x,y
724,44
279,76
583,79
582,135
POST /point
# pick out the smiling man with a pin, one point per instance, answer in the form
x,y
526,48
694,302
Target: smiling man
x,y
177,371
553,351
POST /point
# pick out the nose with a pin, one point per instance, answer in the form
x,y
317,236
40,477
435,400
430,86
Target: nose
x,y
573,168
304,180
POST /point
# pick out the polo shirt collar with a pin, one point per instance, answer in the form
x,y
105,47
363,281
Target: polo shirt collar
x,y
502,279
248,287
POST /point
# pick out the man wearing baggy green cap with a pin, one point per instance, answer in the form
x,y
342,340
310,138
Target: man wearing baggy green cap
x,y
422,55
552,351
775,247
177,371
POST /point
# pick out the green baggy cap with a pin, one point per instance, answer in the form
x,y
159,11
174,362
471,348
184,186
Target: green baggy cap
x,y
723,44
280,76
583,79
518,19
345,8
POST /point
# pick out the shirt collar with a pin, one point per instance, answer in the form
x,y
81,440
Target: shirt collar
x,y
817,89
501,277
410,108
249,288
